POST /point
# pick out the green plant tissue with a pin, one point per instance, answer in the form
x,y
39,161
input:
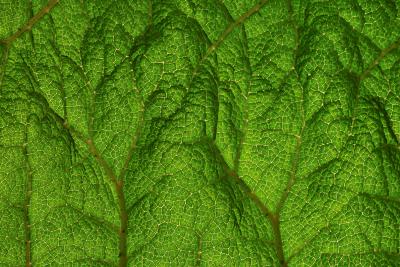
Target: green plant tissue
x,y
199,133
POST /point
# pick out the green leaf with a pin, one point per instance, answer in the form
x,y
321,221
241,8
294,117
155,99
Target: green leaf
x,y
200,133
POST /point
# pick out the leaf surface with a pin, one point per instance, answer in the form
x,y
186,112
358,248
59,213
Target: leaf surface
x,y
200,133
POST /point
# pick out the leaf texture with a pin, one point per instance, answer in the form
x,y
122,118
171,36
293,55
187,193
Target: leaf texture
x,y
200,133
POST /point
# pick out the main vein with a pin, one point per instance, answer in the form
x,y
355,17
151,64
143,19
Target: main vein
x,y
25,28
29,173
272,217
123,215
118,186
379,58
31,22
233,25
27,200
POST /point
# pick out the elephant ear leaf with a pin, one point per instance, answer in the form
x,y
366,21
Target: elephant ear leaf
x,y
199,133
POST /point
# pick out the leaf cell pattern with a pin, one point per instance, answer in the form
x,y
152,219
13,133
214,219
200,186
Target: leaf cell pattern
x,y
200,133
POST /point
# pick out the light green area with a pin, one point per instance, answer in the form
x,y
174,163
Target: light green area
x,y
301,102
